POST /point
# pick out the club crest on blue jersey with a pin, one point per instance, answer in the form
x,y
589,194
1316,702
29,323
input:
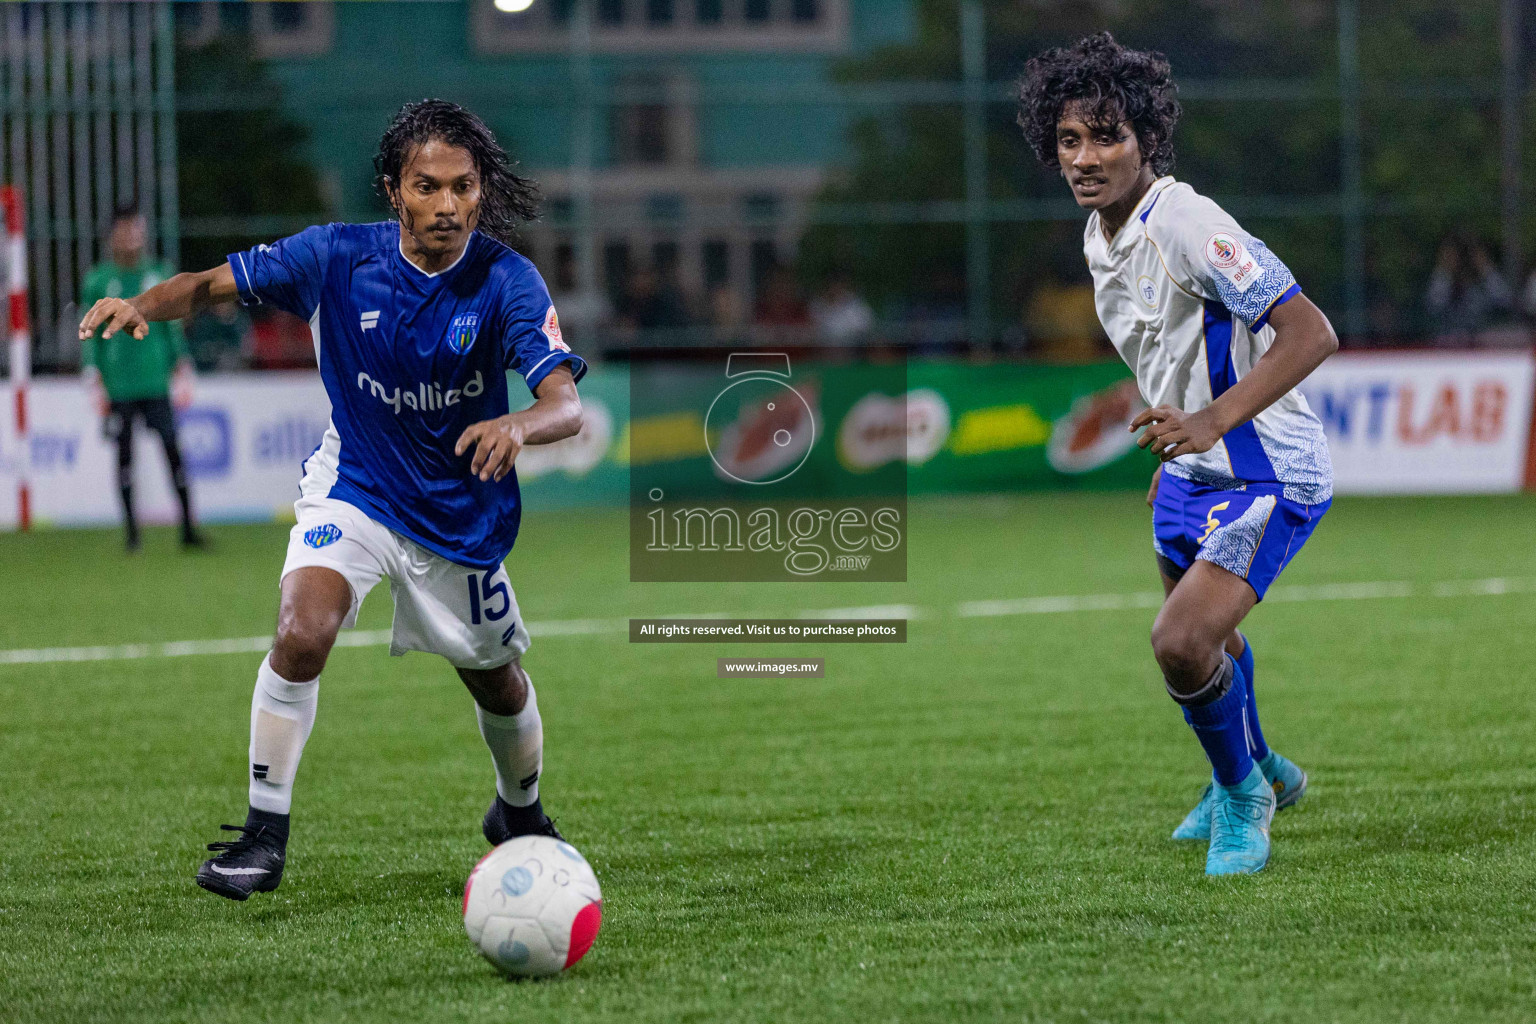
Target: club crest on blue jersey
x,y
462,331
320,536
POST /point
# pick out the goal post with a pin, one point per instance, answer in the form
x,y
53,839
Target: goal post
x,y
20,332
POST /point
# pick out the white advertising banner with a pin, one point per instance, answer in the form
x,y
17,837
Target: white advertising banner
x,y
1426,422
242,440
1397,423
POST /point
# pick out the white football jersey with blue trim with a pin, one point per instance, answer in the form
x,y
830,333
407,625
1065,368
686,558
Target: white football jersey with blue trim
x,y
1185,296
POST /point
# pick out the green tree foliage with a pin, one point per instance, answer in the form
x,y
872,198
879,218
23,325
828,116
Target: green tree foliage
x,y
1260,133
248,161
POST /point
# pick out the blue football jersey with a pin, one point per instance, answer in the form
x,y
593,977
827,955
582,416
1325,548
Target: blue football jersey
x,y
409,359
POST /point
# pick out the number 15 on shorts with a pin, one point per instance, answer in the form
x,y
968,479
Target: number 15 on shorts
x,y
487,598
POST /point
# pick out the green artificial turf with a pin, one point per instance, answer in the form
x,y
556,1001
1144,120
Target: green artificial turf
x,y
969,826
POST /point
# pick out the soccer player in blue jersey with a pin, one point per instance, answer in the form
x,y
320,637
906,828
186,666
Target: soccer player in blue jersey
x,y
1219,336
416,322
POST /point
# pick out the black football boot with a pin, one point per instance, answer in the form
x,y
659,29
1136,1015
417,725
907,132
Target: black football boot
x,y
503,822
252,863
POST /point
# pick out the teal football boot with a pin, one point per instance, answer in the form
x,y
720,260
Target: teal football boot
x,y
1197,823
1240,817
1287,780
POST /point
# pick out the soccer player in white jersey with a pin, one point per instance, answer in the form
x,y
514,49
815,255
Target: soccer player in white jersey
x,y
416,321
1219,336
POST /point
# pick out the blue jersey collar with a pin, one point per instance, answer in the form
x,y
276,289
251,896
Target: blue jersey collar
x,y
406,260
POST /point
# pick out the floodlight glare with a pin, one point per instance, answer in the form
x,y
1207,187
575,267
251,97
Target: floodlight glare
x,y
513,6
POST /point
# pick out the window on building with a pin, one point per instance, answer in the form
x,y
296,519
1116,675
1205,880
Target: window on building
x,y
760,207
658,12
287,17
290,29
717,262
639,133
279,28
234,16
664,257
764,257
616,268
610,12
664,207
196,24
681,25
565,268
190,20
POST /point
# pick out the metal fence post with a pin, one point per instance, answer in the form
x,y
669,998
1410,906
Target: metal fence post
x,y
165,97
978,271
1513,97
581,151
1350,167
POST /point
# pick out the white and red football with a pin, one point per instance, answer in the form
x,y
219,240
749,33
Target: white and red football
x,y
532,906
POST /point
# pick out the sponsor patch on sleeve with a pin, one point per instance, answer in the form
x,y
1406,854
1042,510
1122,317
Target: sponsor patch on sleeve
x,y
1229,257
552,331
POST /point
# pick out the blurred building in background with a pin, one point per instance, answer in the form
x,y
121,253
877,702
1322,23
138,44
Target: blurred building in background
x,y
811,172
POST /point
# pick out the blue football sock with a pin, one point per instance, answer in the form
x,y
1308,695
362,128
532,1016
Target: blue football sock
x,y
1216,715
1257,748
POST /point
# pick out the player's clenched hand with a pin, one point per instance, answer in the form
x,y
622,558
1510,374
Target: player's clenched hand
x,y
1173,432
116,315
496,444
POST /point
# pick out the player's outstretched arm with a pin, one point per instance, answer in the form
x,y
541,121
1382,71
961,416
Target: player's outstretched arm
x,y
554,415
1303,339
172,299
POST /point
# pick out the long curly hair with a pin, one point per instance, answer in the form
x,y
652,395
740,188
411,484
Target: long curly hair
x,y
505,198
1114,84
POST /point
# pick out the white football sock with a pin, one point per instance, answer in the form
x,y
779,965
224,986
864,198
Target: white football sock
x,y
517,748
282,715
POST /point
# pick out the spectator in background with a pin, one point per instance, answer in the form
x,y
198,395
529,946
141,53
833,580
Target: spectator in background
x,y
1466,293
779,303
936,317
1062,323
582,312
724,314
132,376
220,339
841,317
1528,298
652,303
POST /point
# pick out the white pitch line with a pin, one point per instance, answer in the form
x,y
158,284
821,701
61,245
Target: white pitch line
x,y
576,627
1053,605
1341,592
1491,587
872,611
1483,588
258,644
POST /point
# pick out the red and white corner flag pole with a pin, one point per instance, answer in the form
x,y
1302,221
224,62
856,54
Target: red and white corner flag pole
x,y
21,344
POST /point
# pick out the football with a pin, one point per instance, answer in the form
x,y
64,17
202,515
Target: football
x,y
532,906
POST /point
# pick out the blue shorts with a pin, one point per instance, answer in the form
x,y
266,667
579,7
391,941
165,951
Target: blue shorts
x,y
1253,533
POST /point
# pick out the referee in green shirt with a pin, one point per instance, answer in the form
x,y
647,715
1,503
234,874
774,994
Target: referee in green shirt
x,y
135,373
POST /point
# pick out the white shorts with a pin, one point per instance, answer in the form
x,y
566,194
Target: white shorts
x,y
467,615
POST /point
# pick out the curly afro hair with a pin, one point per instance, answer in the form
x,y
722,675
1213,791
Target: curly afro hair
x,y
505,198
1115,85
